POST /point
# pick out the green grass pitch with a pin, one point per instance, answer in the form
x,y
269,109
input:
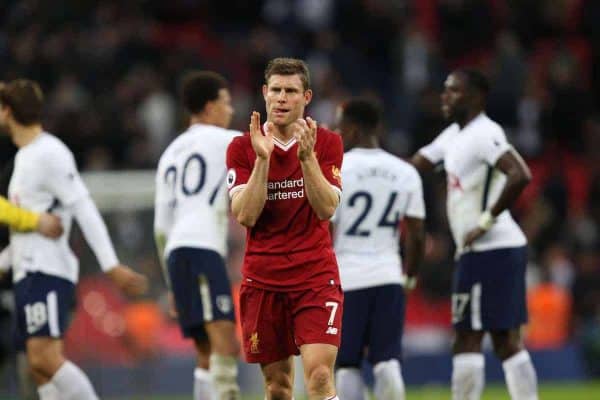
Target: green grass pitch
x,y
555,391
567,391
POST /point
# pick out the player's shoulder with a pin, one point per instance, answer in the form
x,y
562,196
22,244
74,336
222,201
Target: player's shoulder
x,y
328,140
449,131
242,140
51,147
327,135
487,126
398,164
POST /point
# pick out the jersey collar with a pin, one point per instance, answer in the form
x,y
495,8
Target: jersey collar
x,y
283,146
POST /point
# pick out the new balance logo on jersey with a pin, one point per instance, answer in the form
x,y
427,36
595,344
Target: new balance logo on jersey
x,y
331,331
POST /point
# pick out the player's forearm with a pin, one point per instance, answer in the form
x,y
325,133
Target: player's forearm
x,y
95,232
322,197
5,259
421,163
160,239
414,246
249,203
510,193
17,218
518,177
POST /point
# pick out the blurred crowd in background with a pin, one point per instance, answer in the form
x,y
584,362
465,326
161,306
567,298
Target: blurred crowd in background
x,y
110,71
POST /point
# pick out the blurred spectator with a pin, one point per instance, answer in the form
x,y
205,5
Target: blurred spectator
x,y
110,71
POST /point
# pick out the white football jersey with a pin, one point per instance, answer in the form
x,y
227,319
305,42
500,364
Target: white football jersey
x,y
380,189
45,178
474,184
191,205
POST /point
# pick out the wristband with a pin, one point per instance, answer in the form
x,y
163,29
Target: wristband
x,y
410,282
486,220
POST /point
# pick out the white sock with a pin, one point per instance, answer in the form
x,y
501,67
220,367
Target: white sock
x,y
388,381
48,391
72,383
520,377
350,385
203,389
223,371
467,376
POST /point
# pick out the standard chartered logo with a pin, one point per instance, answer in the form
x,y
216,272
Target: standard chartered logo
x,y
286,189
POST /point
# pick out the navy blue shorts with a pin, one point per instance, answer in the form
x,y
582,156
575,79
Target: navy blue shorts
x,y
489,290
201,289
43,305
373,320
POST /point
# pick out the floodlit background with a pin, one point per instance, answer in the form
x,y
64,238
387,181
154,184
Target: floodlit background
x,y
110,71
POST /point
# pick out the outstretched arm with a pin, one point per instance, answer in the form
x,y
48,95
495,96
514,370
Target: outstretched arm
x,y
96,235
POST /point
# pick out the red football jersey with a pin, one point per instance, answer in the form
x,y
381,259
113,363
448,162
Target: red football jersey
x,y
289,247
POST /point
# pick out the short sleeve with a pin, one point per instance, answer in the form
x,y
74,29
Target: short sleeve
x,y
63,179
331,162
492,145
238,166
415,207
436,150
164,200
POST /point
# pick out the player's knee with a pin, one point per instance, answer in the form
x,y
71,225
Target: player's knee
x,y
507,349
279,386
41,363
319,377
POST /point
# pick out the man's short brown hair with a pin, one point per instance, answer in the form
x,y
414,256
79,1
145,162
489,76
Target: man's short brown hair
x,y
288,66
25,99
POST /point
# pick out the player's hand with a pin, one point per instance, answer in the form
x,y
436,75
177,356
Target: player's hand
x,y
472,236
172,309
262,144
49,225
306,136
129,281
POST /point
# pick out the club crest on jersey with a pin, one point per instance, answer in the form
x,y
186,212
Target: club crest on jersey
x,y
254,343
231,178
224,303
337,174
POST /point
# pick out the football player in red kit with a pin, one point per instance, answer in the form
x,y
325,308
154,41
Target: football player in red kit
x,y
284,182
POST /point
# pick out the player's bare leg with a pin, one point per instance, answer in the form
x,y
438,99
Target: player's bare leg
x,y
318,361
519,372
467,365
27,386
54,374
225,349
203,387
279,379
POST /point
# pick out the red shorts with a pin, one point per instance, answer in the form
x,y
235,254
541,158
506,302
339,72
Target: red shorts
x,y
276,324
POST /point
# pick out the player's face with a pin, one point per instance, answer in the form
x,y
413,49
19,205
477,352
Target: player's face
x,y
3,120
285,99
223,109
454,97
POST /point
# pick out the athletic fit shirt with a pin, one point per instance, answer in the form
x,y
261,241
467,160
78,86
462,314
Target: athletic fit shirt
x,y
289,248
379,191
191,205
45,178
474,184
